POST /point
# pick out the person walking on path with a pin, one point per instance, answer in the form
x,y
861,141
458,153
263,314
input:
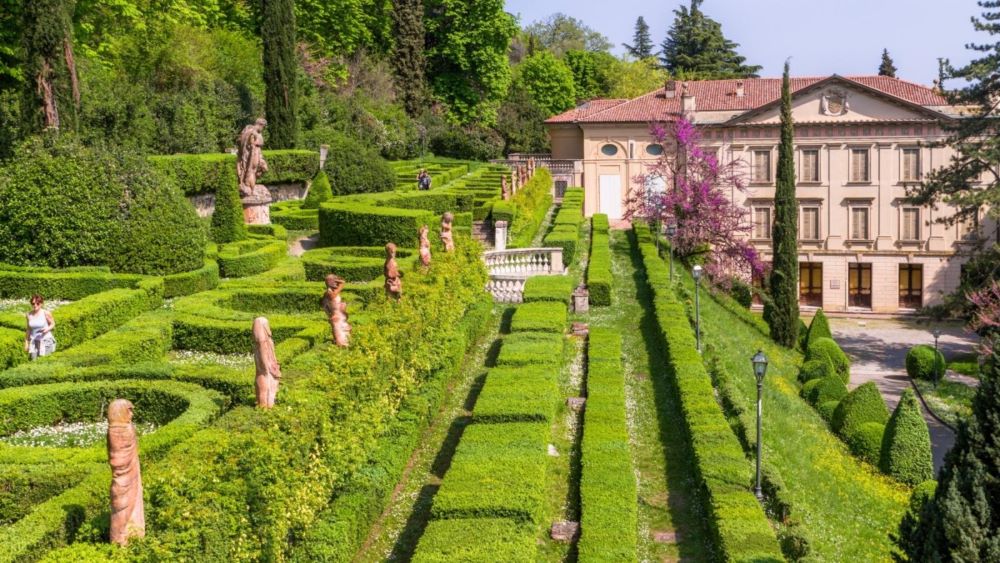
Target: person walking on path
x,y
38,338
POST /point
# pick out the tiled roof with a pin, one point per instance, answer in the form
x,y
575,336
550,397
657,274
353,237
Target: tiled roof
x,y
720,95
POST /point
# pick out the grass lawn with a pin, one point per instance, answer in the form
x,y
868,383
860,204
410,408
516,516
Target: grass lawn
x,y
949,400
965,364
846,508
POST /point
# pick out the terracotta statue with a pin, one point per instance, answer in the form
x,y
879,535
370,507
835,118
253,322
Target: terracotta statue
x,y
336,310
531,167
504,189
128,517
524,174
513,180
393,283
446,238
425,247
250,161
268,370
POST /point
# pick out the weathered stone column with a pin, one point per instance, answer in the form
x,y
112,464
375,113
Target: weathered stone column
x,y
500,235
257,207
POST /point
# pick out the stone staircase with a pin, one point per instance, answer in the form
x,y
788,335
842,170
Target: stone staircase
x,y
483,232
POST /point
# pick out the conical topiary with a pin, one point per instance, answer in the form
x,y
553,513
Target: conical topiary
x,y
906,446
319,192
827,350
818,328
864,404
227,219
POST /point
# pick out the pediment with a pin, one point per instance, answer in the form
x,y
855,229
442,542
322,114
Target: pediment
x,y
838,100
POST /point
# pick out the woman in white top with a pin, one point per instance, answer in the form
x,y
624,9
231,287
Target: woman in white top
x,y
38,339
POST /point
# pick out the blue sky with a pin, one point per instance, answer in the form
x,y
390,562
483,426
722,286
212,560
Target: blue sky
x,y
821,36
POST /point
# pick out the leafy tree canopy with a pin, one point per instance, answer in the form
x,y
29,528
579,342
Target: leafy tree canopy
x,y
696,48
548,81
642,43
561,33
594,73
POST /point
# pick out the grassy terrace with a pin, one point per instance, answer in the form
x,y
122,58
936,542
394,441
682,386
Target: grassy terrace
x,y
846,509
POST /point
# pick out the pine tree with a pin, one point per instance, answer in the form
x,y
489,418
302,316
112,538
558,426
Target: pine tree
x,y
696,48
408,59
51,93
783,309
642,43
960,523
887,68
277,31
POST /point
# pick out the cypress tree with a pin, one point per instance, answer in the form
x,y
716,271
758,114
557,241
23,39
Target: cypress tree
x,y
887,68
696,48
51,92
408,59
277,31
642,43
960,523
782,314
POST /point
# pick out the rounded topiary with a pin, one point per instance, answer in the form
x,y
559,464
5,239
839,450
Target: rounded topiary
x,y
815,369
866,441
827,349
924,362
864,404
827,409
830,388
808,387
818,328
62,204
319,191
906,447
742,293
227,219
353,167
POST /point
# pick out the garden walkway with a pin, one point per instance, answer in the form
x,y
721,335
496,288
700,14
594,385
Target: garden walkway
x,y
878,348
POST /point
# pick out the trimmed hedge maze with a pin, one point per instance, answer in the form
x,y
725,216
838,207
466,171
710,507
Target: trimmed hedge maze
x,y
599,267
567,224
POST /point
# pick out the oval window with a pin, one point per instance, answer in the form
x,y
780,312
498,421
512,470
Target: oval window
x,y
609,150
654,149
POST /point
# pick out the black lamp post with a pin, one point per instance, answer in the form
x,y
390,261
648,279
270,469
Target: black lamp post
x,y
671,231
936,333
696,272
759,369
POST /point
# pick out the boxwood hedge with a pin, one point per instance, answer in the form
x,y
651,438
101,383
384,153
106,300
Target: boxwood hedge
x,y
353,263
532,203
545,316
475,539
362,224
548,288
527,348
250,257
861,405
599,268
528,394
906,446
924,362
827,349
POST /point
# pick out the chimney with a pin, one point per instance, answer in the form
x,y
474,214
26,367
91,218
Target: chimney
x,y
670,89
687,101
739,89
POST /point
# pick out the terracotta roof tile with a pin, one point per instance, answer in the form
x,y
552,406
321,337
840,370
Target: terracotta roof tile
x,y
720,95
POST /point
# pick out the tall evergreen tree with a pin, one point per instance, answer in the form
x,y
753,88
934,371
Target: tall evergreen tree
x,y
696,48
277,31
408,59
782,313
642,43
888,67
51,92
960,523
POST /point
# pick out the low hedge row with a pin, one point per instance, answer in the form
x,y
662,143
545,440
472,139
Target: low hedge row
x,y
599,267
250,257
565,232
293,216
361,224
543,316
187,283
24,486
528,348
548,288
475,539
528,394
70,284
353,263
608,494
739,527
199,174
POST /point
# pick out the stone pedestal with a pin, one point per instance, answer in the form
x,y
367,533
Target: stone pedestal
x,y
257,206
500,235
581,299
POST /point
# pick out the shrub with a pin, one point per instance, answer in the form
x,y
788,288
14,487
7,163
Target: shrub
x,y
599,276
353,167
227,220
467,143
866,441
548,288
827,409
830,388
807,388
289,166
818,328
65,205
496,539
291,215
353,263
532,202
504,211
566,238
359,224
924,362
186,283
815,369
539,317
906,447
250,257
742,293
527,348
863,404
529,394
827,349
319,191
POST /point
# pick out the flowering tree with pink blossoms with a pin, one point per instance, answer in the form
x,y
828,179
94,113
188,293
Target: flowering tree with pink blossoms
x,y
688,187
986,315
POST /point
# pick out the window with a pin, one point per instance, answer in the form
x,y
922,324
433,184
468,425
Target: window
x,y
761,166
811,284
911,286
968,227
809,229
859,166
609,150
761,222
859,223
910,224
810,165
911,165
654,149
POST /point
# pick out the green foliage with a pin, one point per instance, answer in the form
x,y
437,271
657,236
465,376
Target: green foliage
x,y
65,205
782,314
594,74
830,388
549,82
344,27
539,317
742,293
360,224
906,447
408,53
532,203
527,394
887,67
530,348
186,283
277,31
827,409
466,50
599,276
642,47
819,327
360,263
560,33
354,168
227,219
866,441
863,404
319,191
696,48
47,42
496,539
250,257
521,123
827,350
467,142
548,288
567,222
816,369
924,362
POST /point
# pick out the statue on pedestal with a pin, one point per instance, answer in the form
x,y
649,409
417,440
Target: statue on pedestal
x,y
250,164
268,370
336,310
514,184
531,167
504,189
446,238
393,282
128,517
425,247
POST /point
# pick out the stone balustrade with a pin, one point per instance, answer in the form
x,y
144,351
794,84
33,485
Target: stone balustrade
x,y
506,289
510,269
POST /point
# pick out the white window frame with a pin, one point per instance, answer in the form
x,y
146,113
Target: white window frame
x,y
902,163
850,224
802,165
770,165
902,224
819,221
770,220
851,168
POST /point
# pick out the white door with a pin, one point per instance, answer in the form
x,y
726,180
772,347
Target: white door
x,y
610,187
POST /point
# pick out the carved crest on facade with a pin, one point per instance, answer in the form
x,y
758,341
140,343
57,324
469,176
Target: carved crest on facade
x,y
835,103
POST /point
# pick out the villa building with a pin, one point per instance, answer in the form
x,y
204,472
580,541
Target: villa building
x,y
859,141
